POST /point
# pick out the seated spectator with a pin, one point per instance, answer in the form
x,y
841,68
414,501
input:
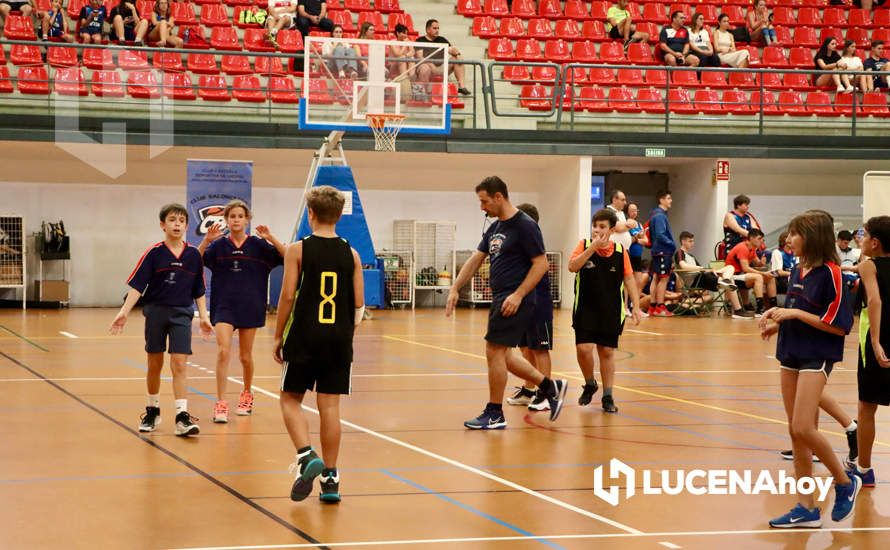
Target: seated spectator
x,y
700,42
709,279
781,261
671,295
92,19
757,21
769,32
282,14
402,64
25,7
433,66
620,25
850,62
311,14
55,24
724,45
673,43
340,56
737,222
827,59
366,32
875,62
161,28
743,258
868,4
126,24
849,258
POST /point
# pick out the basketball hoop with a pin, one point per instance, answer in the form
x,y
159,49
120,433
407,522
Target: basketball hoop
x,y
386,128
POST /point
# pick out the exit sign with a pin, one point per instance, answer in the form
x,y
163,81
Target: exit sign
x,y
655,152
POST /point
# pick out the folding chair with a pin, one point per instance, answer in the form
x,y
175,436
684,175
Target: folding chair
x,y
695,300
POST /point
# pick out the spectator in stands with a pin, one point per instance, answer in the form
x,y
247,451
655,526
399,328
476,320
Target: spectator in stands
x,y
757,21
709,279
849,258
673,42
663,248
125,23
724,45
743,258
850,62
781,262
769,33
620,25
868,4
92,19
827,59
281,14
25,7
403,67
311,13
426,70
737,222
875,62
700,42
55,24
162,26
341,57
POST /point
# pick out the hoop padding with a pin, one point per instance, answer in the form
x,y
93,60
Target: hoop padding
x,y
386,129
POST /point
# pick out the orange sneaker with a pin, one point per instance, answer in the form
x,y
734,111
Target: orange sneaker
x,y
221,412
245,403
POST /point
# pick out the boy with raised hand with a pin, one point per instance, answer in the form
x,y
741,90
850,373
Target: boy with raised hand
x,y
321,303
603,276
170,278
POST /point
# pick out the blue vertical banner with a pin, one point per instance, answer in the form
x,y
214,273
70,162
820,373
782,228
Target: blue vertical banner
x,y
210,185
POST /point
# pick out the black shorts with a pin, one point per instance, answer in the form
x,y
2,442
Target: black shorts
x,y
661,266
317,376
615,33
599,338
636,262
539,336
16,5
706,280
168,323
129,33
781,285
508,331
814,365
874,380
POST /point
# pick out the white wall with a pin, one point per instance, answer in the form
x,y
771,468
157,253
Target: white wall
x,y
775,211
698,205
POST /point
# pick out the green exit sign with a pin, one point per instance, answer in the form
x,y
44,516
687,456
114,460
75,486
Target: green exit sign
x,y
655,152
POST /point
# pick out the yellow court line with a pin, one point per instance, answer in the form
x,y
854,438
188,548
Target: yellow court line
x,y
643,392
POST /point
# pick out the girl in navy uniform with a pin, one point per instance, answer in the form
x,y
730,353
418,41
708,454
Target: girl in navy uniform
x,y
240,264
811,328
55,24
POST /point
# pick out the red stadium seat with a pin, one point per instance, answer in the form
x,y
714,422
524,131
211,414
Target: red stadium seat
x,y
33,80
859,17
571,101
630,77
342,18
247,88
881,34
539,29
224,38
599,10
107,84
202,63
684,78
70,81
796,81
549,9
741,80
496,8
236,65
819,103
679,102
859,36
784,16
736,102
536,98
651,29
800,58
783,36
19,27
203,2
132,60
318,91
584,52
709,11
808,17
567,29
557,51
577,10
178,86
5,81
612,53
485,26
516,74
834,17
772,81
735,13
372,17
843,103
143,85
593,30
875,104
656,77
184,13
213,88
501,49
544,74
881,18
290,41
524,9
713,79
602,76
74,7
774,57
452,96
753,55
650,100
387,6
469,8
168,61
215,15
58,56
255,41
833,33
593,99
512,27
683,8
708,102
528,49
768,100
25,55
282,90
622,100
654,12
268,66
806,37
639,53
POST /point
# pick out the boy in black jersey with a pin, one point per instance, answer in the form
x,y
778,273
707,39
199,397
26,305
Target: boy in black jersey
x,y
321,302
603,276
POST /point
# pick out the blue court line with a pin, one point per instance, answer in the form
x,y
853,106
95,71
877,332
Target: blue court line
x,y
189,388
695,433
469,508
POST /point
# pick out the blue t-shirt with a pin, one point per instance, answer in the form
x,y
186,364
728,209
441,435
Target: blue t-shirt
x,y
676,39
57,24
170,280
511,245
94,26
822,293
635,250
240,282
663,243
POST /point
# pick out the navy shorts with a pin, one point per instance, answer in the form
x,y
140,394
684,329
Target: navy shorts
x,y
165,324
539,336
661,266
809,365
508,331
316,376
129,33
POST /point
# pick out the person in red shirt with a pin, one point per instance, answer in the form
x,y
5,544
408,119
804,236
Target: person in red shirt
x,y
743,258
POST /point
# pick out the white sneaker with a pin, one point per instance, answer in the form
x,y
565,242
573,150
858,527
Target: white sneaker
x,y
841,89
849,89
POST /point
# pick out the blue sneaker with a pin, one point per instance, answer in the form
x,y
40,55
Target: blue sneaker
x,y
558,398
868,477
844,498
798,518
488,420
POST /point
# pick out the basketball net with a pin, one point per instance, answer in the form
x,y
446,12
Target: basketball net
x,y
386,127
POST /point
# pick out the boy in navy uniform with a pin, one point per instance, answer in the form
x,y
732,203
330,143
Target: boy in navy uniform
x,y
663,249
170,278
603,278
516,248
321,303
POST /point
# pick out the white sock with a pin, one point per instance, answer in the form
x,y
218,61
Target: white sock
x,y
852,426
181,405
154,400
862,470
305,453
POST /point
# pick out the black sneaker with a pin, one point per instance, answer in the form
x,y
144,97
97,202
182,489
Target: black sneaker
x,y
463,91
185,424
489,420
853,444
609,404
539,403
749,307
330,488
742,314
522,396
587,392
150,419
789,455
558,398
306,469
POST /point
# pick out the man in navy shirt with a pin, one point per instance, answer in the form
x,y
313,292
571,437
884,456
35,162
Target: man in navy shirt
x,y
876,62
169,278
516,248
673,43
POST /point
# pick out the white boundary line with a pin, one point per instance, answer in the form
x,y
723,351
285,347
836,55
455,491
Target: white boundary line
x,y
553,537
68,334
466,467
638,331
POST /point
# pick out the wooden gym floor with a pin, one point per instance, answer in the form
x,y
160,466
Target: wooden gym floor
x,y
692,393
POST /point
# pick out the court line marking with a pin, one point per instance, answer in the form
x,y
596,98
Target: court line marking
x,y
462,466
778,532
638,331
19,336
68,334
670,545
649,394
